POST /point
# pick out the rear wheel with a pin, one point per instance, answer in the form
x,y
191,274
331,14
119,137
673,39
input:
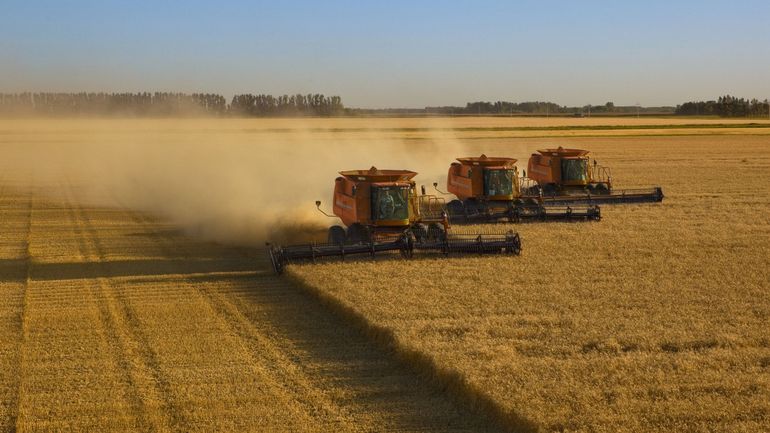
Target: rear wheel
x,y
358,233
336,235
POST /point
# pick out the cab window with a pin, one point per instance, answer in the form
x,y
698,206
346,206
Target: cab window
x,y
390,203
498,182
574,169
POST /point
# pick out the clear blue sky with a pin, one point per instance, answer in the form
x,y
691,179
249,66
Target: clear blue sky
x,y
394,53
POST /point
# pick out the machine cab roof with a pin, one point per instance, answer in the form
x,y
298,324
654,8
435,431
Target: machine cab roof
x,y
374,175
562,152
488,161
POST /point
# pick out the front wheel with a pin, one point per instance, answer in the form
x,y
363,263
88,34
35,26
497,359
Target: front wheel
x,y
420,232
358,233
436,232
336,235
601,188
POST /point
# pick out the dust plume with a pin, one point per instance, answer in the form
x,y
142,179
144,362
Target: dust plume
x,y
235,181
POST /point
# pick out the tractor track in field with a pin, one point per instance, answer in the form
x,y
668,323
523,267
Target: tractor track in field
x,y
280,343
130,349
124,324
257,342
13,390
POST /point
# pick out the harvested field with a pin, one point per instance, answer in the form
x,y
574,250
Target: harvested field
x,y
115,319
654,319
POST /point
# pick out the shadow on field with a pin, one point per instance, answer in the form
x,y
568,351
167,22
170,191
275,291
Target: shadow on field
x,y
13,270
340,352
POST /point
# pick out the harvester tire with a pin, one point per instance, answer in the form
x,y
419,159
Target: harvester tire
x,y
436,232
455,207
420,232
549,190
601,188
336,235
358,233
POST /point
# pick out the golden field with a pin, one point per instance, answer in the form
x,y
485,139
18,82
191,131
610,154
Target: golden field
x,y
654,319
116,316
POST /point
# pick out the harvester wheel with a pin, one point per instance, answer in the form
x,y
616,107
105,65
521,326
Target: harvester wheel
x,y
455,207
436,232
336,235
420,232
358,233
601,188
549,190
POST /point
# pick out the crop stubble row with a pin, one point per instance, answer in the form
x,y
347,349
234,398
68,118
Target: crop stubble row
x,y
125,325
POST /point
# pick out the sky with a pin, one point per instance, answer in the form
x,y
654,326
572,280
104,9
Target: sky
x,y
379,54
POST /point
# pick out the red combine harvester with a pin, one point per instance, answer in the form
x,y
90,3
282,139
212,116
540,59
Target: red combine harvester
x,y
383,212
566,176
488,190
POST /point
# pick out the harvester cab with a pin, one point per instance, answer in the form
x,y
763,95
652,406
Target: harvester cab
x,y
381,203
568,169
484,178
383,212
488,189
564,176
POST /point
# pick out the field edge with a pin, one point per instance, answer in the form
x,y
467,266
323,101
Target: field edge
x,y
452,381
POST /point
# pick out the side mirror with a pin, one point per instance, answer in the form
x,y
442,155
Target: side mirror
x,y
318,205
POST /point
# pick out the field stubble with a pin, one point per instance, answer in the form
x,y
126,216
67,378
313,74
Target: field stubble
x,y
651,320
654,319
113,321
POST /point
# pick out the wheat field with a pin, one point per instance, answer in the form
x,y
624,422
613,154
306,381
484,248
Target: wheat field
x,y
124,310
654,319
112,320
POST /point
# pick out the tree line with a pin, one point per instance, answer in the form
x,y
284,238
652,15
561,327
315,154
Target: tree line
x,y
160,104
726,106
286,105
544,108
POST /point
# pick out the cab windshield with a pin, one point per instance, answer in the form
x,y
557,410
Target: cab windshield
x,y
498,182
574,169
390,203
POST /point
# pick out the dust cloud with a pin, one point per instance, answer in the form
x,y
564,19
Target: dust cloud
x,y
234,181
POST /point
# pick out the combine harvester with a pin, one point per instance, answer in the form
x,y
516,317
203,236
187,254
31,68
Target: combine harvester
x,y
568,176
383,212
488,190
